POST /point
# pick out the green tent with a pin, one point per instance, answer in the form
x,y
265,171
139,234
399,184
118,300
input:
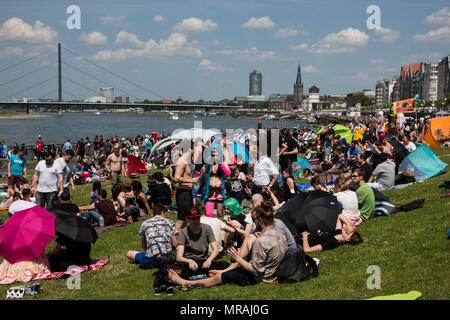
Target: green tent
x,y
342,131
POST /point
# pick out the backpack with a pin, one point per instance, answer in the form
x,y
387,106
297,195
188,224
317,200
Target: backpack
x,y
296,266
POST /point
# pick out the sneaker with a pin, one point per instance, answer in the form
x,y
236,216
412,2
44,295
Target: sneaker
x,y
170,291
162,289
319,262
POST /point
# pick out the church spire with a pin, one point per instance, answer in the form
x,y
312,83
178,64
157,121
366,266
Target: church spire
x,y
298,81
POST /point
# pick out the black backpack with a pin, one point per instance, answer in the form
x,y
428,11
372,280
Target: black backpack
x,y
296,266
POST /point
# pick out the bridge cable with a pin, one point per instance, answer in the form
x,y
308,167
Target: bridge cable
x,y
113,73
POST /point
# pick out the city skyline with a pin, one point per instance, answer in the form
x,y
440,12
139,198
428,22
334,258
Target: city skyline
x,y
195,51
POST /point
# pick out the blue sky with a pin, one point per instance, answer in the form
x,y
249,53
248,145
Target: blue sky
x,y
202,49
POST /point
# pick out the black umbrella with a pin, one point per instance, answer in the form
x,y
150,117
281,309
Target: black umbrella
x,y
310,211
323,218
74,227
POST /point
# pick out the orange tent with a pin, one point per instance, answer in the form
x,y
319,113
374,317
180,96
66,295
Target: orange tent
x,y
436,131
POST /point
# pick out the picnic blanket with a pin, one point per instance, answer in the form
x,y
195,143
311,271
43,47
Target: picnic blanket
x,y
47,275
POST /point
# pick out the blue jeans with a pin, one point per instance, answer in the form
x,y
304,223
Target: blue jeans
x,y
93,216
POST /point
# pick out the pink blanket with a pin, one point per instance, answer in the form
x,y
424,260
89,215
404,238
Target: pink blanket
x,y
46,274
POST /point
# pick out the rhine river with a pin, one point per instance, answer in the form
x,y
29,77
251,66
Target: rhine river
x,y
74,126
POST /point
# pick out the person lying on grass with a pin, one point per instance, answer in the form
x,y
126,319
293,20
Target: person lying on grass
x,y
267,248
326,241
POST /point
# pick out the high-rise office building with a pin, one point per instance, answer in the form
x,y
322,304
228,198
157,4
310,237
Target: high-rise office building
x,y
255,85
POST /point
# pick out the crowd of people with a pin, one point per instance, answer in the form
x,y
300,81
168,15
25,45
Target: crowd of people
x,y
224,205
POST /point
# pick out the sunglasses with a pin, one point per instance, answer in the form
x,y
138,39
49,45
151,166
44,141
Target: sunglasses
x,y
353,176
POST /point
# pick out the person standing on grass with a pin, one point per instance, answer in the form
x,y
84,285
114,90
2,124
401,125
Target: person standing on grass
x,y
185,183
47,183
114,165
66,166
158,237
17,171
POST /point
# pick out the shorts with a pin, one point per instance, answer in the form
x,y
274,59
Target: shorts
x,y
239,276
14,180
184,200
142,258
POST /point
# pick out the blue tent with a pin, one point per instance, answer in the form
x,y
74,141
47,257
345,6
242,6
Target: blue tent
x,y
297,167
424,163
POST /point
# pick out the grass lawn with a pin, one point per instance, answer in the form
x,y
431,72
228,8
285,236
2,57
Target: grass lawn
x,y
410,248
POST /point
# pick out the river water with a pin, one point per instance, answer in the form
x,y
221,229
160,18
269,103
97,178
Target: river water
x,y
74,126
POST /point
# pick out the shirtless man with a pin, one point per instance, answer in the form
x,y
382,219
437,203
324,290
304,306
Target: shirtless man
x,y
114,166
185,182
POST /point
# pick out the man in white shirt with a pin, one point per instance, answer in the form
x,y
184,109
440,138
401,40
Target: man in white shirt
x,y
47,181
263,169
66,166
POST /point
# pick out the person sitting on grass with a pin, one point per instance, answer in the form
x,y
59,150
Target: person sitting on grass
x,y
365,194
105,213
222,231
193,247
158,237
74,253
131,213
236,219
267,251
317,184
67,205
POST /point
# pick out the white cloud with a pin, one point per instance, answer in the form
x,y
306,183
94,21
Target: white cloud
x,y
259,23
16,29
301,46
115,21
250,54
345,41
387,34
437,35
130,39
440,17
194,25
159,19
349,36
176,44
11,51
287,32
207,65
93,38
310,69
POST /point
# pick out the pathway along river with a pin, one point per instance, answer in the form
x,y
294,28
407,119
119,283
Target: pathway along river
x,y
74,126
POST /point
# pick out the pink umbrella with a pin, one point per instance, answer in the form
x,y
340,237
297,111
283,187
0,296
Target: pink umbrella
x,y
26,234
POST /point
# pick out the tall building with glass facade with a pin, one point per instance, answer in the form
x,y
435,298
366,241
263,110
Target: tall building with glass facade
x,y
255,85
